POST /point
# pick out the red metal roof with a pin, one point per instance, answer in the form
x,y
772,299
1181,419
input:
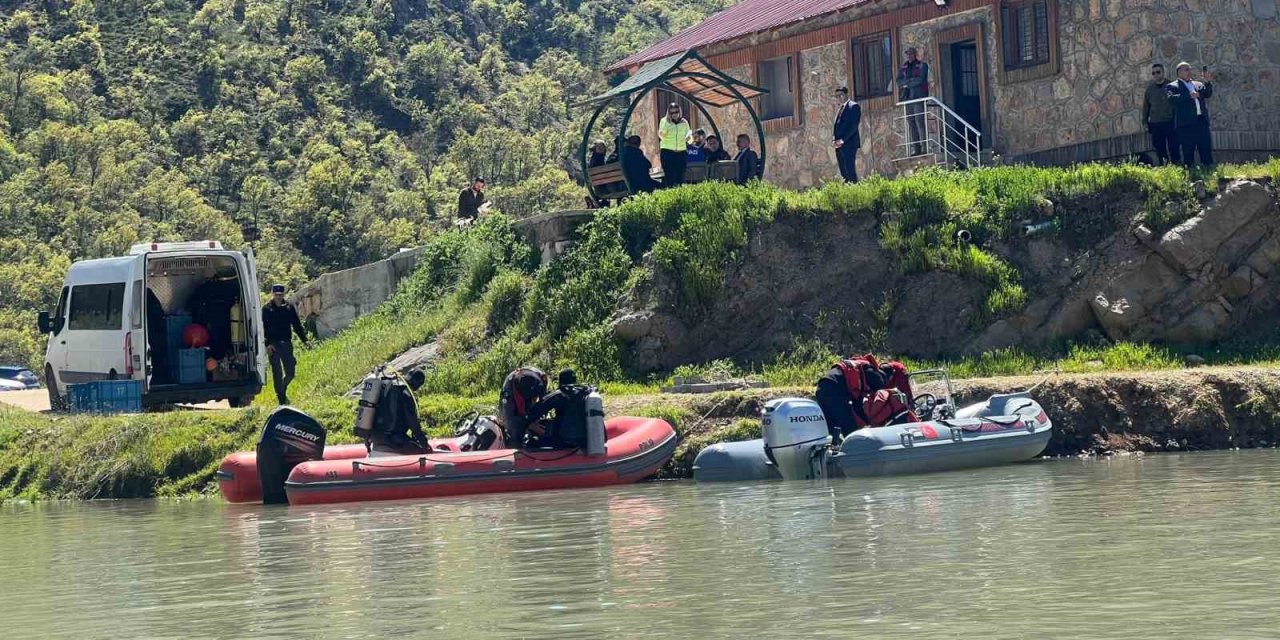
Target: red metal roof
x,y
745,18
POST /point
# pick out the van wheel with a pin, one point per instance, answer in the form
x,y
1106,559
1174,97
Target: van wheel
x,y
242,401
56,401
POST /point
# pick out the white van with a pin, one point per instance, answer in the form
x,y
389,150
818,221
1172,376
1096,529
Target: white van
x,y
123,318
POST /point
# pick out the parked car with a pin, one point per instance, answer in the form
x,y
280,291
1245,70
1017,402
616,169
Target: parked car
x,y
15,377
130,318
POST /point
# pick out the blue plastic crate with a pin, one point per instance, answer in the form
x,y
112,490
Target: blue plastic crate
x,y
173,326
106,396
188,367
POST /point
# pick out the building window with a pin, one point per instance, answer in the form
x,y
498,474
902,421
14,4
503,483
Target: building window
x,y
872,66
665,97
97,307
779,77
1025,26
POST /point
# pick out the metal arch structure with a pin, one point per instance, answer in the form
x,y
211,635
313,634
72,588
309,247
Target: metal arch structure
x,y
687,75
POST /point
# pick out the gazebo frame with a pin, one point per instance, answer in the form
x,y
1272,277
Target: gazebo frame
x,y
685,74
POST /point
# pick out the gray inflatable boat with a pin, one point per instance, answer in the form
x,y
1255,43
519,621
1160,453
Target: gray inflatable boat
x,y
1005,428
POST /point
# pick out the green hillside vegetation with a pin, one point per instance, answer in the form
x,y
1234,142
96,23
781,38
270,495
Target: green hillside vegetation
x,y
345,130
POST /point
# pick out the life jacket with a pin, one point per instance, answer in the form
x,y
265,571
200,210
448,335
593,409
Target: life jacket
x,y
864,376
888,406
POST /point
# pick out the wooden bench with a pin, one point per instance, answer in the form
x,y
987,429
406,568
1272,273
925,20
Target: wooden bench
x,y
607,181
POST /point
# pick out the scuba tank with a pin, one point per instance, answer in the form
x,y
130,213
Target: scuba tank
x,y
595,424
367,406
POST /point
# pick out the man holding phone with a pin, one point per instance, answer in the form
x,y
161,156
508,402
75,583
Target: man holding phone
x,y
1191,114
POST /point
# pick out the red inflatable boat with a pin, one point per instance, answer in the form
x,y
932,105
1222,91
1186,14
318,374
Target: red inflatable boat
x,y
635,449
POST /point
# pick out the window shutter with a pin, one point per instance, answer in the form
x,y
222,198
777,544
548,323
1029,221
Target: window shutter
x,y
1008,42
1042,31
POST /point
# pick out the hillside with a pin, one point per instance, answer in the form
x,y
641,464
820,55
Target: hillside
x,y
343,130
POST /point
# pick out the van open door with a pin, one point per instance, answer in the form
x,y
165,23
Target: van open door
x,y
253,315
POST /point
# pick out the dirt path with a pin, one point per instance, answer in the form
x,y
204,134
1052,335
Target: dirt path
x,y
38,400
27,399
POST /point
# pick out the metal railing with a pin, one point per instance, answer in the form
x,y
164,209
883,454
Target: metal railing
x,y
942,133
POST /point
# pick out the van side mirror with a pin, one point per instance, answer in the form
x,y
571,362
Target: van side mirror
x,y
42,322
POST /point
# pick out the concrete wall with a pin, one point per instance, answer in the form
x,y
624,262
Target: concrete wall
x,y
337,299
1090,106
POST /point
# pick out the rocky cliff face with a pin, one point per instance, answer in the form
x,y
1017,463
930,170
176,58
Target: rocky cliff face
x,y
1103,270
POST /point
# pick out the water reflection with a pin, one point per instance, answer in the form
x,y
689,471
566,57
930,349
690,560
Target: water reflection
x,y
1175,545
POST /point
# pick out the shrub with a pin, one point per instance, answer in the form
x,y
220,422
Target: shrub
x,y
593,353
504,299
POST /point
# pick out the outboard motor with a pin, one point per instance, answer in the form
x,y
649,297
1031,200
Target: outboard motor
x,y
289,438
479,433
796,438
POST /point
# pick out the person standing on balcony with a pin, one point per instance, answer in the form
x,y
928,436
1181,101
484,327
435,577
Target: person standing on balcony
x,y
1157,113
673,136
913,84
845,137
1191,114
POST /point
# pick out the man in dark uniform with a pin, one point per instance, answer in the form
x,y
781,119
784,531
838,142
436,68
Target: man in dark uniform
x,y
845,137
568,429
635,167
471,200
1157,113
278,318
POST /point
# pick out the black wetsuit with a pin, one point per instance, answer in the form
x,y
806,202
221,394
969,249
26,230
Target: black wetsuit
x,y
568,429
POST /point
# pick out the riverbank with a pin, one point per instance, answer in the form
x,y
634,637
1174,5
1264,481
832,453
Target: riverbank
x,y
176,453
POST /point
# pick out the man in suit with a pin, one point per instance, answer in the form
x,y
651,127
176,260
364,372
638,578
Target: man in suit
x,y
1191,114
845,137
748,161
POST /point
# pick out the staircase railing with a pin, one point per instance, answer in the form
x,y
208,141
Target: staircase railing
x,y
943,134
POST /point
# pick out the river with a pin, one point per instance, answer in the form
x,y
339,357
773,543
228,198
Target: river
x,y
1169,546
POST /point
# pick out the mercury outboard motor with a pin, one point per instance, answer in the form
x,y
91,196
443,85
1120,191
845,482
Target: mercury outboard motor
x,y
289,438
796,438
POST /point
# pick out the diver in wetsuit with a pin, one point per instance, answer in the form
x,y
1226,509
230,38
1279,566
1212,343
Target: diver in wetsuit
x,y
568,428
521,390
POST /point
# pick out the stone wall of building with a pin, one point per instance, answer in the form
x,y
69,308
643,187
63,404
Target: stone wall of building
x,y
1105,52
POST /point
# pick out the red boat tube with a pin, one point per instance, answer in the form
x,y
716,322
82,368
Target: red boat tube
x,y
635,449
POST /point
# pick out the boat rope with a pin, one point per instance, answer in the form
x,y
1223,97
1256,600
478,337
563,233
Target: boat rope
x,y
571,452
1057,370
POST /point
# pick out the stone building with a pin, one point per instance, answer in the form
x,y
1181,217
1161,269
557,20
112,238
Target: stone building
x,y
1044,81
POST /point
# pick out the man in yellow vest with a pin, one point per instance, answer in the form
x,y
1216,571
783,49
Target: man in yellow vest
x,y
673,136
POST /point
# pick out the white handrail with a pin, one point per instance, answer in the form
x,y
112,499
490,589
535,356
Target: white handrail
x,y
943,147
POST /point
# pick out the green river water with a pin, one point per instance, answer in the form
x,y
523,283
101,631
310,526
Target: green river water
x,y
1170,546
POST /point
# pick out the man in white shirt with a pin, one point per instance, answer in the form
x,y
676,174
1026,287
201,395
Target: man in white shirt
x,y
1191,114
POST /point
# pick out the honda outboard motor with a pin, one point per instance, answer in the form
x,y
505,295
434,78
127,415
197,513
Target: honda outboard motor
x,y
289,438
796,438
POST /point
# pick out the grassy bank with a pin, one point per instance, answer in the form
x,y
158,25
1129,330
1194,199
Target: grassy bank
x,y
481,297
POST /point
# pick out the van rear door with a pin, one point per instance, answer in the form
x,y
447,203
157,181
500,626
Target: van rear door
x,y
135,347
253,314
